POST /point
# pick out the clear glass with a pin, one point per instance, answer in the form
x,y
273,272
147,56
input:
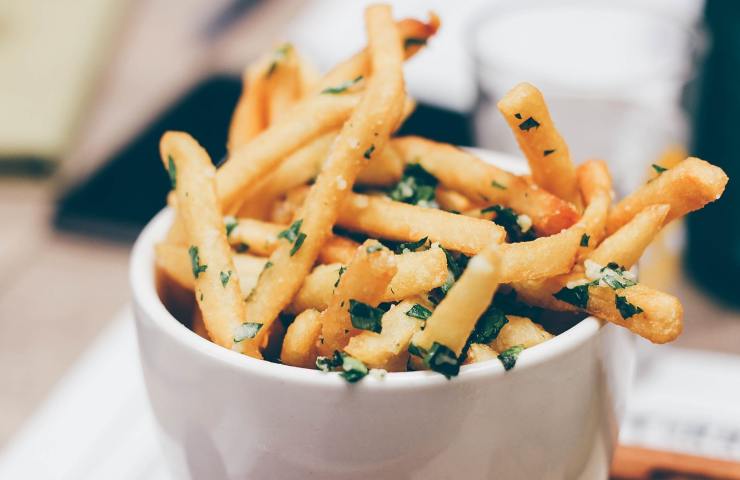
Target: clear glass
x,y
615,78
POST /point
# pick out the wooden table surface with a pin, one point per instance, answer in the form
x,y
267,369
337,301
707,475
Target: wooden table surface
x,y
58,290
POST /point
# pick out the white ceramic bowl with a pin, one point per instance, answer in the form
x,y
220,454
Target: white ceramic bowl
x,y
222,415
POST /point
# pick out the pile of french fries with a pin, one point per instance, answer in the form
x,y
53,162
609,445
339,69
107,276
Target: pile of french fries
x,y
325,242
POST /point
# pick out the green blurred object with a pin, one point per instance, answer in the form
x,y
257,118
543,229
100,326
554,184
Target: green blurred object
x,y
713,254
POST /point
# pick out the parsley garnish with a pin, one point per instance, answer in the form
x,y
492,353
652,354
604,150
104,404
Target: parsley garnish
x,y
548,152
494,183
242,247
277,56
195,261
342,87
416,187
291,233
342,269
376,247
411,246
584,240
659,169
364,316
488,326
529,124
172,171
225,277
298,242
507,218
577,296
419,311
231,224
508,357
614,276
246,330
456,263
353,370
369,151
413,42
626,309
518,115
268,264
439,358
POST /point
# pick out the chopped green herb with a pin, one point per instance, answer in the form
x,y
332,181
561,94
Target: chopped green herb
x,y
489,325
659,169
241,247
416,187
195,261
291,233
584,240
268,264
376,247
548,152
201,296
416,351
411,246
577,296
231,224
443,360
326,364
298,242
246,330
626,309
419,311
508,357
369,151
172,171
353,369
494,183
365,317
518,115
507,302
342,269
456,263
413,42
279,54
529,124
342,87
508,219
225,277
613,275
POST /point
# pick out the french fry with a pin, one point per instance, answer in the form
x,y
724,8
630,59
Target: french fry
x,y
199,327
250,116
479,352
284,83
594,180
417,273
595,185
389,348
384,170
456,315
626,245
669,158
463,172
219,300
261,238
365,280
540,258
366,130
384,218
176,233
525,111
299,344
686,187
520,331
453,201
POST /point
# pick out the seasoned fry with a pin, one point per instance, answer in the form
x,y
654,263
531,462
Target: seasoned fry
x,y
462,171
686,187
626,245
220,300
199,327
540,258
338,249
417,273
299,344
520,331
525,111
479,352
383,218
249,117
453,201
595,185
454,318
367,130
389,348
365,280
284,83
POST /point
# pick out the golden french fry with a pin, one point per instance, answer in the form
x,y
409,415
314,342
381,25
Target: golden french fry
x,y
417,273
283,83
199,327
686,187
669,158
384,170
384,218
456,315
525,111
217,289
366,130
595,185
176,233
625,246
479,352
453,201
365,280
389,348
249,117
288,207
520,331
462,171
299,344
594,180
540,258
338,249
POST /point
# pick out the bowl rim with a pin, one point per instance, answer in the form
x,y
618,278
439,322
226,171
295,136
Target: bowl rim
x,y
148,304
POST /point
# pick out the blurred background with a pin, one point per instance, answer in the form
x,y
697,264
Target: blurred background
x,y
88,86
